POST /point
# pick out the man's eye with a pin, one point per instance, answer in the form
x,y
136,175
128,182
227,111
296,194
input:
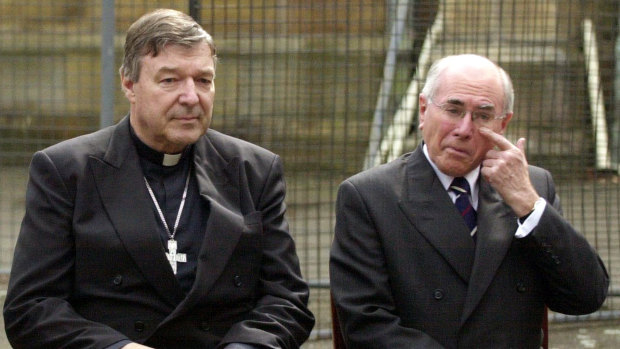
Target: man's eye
x,y
204,81
484,116
453,111
168,80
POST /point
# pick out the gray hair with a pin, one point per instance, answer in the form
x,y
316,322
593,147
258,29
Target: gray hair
x,y
153,31
435,71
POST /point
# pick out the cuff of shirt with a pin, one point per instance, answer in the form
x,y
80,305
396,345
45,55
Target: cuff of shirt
x,y
532,220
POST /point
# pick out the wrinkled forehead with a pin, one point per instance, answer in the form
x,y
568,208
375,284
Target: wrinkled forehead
x,y
477,84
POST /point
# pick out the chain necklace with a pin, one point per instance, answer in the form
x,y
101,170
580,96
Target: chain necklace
x,y
172,255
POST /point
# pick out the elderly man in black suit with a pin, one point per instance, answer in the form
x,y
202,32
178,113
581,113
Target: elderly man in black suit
x,y
459,244
158,232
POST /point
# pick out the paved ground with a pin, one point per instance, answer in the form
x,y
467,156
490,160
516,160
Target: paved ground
x,y
599,334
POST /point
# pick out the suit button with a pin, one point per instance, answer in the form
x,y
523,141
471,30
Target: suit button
x,y
438,294
118,280
237,281
139,326
204,326
521,288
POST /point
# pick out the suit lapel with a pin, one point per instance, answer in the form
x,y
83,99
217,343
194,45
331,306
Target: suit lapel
x,y
428,207
218,179
120,183
218,182
496,228
224,229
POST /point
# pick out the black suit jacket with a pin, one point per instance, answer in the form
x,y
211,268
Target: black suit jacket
x,y
405,273
90,270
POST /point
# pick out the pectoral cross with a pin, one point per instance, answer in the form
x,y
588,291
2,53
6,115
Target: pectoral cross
x,y
173,256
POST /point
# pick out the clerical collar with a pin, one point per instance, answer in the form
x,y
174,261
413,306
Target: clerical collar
x,y
154,156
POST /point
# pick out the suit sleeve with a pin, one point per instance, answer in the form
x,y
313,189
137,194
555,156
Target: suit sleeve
x,y
576,278
280,318
360,282
37,310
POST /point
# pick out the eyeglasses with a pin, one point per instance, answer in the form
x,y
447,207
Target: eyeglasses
x,y
456,112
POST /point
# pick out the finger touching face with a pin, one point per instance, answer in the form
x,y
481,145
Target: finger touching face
x,y
496,138
456,146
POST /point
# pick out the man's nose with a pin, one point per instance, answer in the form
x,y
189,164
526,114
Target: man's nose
x,y
465,126
188,95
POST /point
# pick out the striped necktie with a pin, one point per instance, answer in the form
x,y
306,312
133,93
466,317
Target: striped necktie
x,y
461,188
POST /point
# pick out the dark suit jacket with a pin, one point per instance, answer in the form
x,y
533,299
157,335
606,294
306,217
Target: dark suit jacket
x,y
405,273
90,269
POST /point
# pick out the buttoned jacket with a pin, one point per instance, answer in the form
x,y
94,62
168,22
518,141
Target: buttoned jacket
x,y
406,274
90,269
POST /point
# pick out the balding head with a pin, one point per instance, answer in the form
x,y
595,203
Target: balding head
x,y
466,62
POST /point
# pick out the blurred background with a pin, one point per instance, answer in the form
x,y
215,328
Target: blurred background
x,y
332,86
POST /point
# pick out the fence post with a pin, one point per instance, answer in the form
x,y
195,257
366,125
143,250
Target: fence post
x,y
615,134
106,117
401,7
194,10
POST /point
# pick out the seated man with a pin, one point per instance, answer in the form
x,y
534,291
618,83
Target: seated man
x,y
459,244
157,232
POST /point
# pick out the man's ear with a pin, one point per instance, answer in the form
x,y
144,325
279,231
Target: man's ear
x,y
422,107
128,85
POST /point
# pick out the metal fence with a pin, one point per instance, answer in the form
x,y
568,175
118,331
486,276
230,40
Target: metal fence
x,y
332,87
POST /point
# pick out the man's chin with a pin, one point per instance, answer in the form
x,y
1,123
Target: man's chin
x,y
455,168
186,138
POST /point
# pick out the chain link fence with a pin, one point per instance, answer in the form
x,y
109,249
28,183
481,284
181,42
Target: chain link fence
x,y
332,87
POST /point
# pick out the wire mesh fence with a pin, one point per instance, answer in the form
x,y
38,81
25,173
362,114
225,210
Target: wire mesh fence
x,y
332,87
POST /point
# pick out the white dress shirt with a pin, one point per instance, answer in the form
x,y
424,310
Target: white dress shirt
x,y
472,178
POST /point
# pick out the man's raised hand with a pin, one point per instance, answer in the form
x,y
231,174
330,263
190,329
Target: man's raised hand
x,y
505,168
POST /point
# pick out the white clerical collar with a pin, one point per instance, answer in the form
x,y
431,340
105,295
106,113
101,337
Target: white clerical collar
x,y
154,156
171,159
446,180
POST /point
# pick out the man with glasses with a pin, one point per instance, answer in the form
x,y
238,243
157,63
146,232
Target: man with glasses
x,y
459,244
